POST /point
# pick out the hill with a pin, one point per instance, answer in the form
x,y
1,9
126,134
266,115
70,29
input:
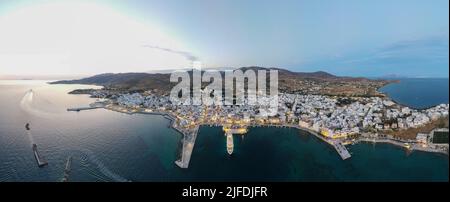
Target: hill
x,y
299,82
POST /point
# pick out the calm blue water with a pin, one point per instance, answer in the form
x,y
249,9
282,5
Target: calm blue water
x,y
110,146
419,93
285,154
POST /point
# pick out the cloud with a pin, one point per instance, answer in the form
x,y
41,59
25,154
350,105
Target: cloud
x,y
189,56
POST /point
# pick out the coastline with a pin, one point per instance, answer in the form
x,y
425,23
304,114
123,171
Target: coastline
x,y
401,144
189,137
189,134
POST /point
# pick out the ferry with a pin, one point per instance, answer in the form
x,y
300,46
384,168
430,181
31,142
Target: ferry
x,y
230,144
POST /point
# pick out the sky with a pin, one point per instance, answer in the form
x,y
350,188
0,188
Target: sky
x,y
349,38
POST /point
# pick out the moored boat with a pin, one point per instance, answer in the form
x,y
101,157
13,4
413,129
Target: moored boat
x,y
230,144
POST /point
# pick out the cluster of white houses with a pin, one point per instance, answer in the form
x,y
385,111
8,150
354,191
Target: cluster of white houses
x,y
333,117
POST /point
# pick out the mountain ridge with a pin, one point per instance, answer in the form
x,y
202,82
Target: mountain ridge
x,y
289,81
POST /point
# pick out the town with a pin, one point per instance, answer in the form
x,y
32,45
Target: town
x,y
334,119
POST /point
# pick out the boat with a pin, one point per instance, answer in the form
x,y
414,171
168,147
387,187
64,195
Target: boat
x,y
27,126
230,144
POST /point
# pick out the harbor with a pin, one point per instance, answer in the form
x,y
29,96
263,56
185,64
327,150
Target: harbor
x,y
190,135
189,131
336,144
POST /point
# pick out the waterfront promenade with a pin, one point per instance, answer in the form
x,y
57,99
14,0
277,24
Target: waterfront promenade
x,y
407,145
336,144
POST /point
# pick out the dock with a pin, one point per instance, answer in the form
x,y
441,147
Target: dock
x,y
337,144
95,105
77,109
188,147
342,150
189,137
40,161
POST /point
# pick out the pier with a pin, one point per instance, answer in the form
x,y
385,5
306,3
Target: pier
x,y
77,109
189,136
95,105
188,147
342,150
337,144
40,161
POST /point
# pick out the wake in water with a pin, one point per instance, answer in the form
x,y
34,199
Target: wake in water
x,y
102,168
30,137
25,105
26,101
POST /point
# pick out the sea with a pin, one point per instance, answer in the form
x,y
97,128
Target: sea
x,y
107,146
418,93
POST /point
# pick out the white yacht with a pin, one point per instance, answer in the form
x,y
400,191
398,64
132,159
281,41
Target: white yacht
x,y
230,144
